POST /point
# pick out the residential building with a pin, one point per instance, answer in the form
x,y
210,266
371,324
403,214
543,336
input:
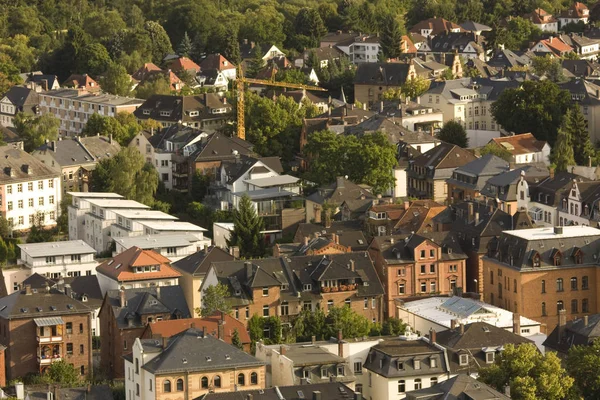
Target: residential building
x,y
58,259
538,272
435,26
79,207
577,12
420,218
193,270
29,190
325,55
504,59
220,63
581,69
545,198
334,195
579,204
206,111
76,158
136,268
213,79
129,222
382,218
372,79
586,48
399,365
553,46
44,326
220,325
348,233
150,71
361,49
191,362
215,149
578,332
84,81
142,143
330,391
92,392
184,64
174,246
460,386
156,227
285,286
476,345
443,313
475,27
468,180
543,20
18,99
39,81
73,107
466,44
586,95
415,265
428,172
124,315
524,148
11,137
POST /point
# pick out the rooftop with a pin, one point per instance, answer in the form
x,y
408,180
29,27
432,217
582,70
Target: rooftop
x,y
159,240
329,391
95,195
121,267
311,355
103,98
57,248
115,203
173,226
549,232
145,214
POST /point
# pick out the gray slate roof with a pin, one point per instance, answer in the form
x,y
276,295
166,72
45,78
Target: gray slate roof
x,y
474,175
15,162
40,304
24,99
328,391
339,191
387,74
88,150
576,333
461,387
197,264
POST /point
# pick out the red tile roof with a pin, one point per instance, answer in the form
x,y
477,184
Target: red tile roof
x,y
144,71
576,10
521,144
556,45
120,267
216,61
82,81
184,64
539,16
437,26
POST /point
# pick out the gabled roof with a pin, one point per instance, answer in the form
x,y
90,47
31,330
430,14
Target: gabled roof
x,y
197,264
388,74
179,108
575,10
437,26
328,391
40,303
539,17
121,267
520,144
183,64
339,191
576,333
486,165
216,62
349,233
473,26
458,388
18,166
21,97
418,217
445,155
82,81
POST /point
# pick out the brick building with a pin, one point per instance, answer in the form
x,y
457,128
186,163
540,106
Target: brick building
x,y
285,286
418,265
125,314
40,327
538,272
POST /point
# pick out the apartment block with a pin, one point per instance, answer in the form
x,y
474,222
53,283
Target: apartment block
x,y
79,207
174,246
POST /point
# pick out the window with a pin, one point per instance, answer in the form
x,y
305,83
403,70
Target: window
x,y
432,269
285,308
21,220
401,288
137,366
150,384
70,348
167,386
51,184
366,302
418,384
254,378
559,306
180,385
433,363
417,364
358,388
69,327
559,285
543,286
401,386
423,269
30,202
51,199
30,186
489,357
41,201
9,189
584,283
137,389
422,253
544,309
323,372
373,302
432,286
20,188
9,205
265,291
125,344
307,287
434,381
241,379
358,367
574,283
464,359
265,311
305,374
20,203
81,348
574,306
584,306
423,287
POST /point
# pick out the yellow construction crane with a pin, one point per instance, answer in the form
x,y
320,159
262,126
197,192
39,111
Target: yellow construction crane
x,y
241,81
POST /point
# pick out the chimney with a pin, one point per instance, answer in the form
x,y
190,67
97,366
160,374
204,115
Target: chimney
x,y
341,348
110,138
462,329
317,215
122,297
551,170
476,218
352,266
313,339
562,322
249,396
165,342
224,100
193,325
282,350
558,230
234,251
317,395
358,396
432,335
381,107
585,320
249,270
516,323
28,290
305,241
68,290
470,208
54,146
453,324
406,205
590,161
221,328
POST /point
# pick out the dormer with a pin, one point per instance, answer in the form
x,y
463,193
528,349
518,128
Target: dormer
x,y
577,255
556,257
535,259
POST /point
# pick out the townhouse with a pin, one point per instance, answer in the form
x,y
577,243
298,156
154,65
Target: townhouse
x,y
524,148
372,80
434,26
420,217
334,195
577,12
285,286
361,49
468,180
586,48
543,20
468,45
189,365
538,272
553,46
382,218
545,198
579,204
566,334
219,63
73,107
18,99
418,265
29,190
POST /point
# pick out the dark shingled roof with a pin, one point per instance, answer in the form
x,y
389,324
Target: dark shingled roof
x,y
461,387
193,351
551,190
24,99
97,392
197,264
387,74
14,164
180,107
40,304
339,191
576,333
444,156
329,391
221,147
475,174
84,150
349,232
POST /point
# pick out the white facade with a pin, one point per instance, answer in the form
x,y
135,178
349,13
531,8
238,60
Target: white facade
x,y
164,167
7,112
79,207
129,222
23,202
173,246
400,185
107,283
14,277
376,386
169,227
571,210
141,379
59,259
221,233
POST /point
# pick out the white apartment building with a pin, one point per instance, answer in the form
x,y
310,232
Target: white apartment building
x,y
59,259
174,246
29,190
73,107
129,222
100,218
79,207
165,227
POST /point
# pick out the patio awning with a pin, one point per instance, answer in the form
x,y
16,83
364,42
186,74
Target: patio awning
x,y
50,321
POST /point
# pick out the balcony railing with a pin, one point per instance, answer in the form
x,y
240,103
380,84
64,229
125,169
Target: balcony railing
x,y
339,288
48,360
49,339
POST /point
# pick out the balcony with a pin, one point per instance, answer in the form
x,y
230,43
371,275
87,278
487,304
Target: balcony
x,y
49,339
339,288
43,360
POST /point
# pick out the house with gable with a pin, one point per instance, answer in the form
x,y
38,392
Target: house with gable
x,y
461,386
468,180
543,20
553,46
577,12
219,63
586,48
373,79
524,148
18,99
82,81
338,192
435,26
579,204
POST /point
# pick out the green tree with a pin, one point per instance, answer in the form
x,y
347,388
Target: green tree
x,y
351,323
5,228
583,150
215,298
256,63
454,132
309,28
308,324
231,48
516,35
529,374
3,252
127,174
391,38
36,130
257,326
549,67
159,84
415,87
393,326
116,80
563,155
62,223
200,184
160,44
235,339
38,233
63,373
492,148
185,47
246,234
536,107
447,75
583,364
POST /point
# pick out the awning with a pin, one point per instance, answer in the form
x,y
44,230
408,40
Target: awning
x,y
50,321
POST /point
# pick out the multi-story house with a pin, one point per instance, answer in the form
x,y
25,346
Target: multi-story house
x,y
82,81
285,286
577,12
79,207
207,111
418,265
76,158
39,81
399,365
193,270
150,71
18,99
545,198
420,217
586,48
466,44
543,20
506,190
216,149
136,268
347,233
382,218
435,26
29,190
468,180
334,195
73,107
41,327
586,95
538,272
58,259
579,204
184,64
174,246
220,63
553,47
100,217
189,365
427,173
460,386
361,49
524,148
373,79
142,143
578,332
124,316
329,390
129,222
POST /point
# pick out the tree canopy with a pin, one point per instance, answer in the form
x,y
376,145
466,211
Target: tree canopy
x,y
454,132
215,298
247,230
35,130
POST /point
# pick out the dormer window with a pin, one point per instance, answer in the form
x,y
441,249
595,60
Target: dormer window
x,y
400,365
535,260
578,256
417,364
194,113
463,360
146,112
557,258
165,113
433,362
306,287
489,357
